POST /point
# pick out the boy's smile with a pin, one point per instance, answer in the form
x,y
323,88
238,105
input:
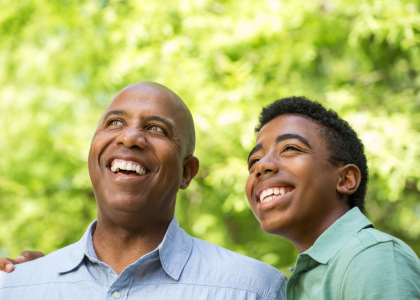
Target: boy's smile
x,y
292,183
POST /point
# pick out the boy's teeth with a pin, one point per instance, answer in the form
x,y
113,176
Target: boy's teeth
x,y
138,169
114,168
269,194
267,199
129,167
263,194
123,166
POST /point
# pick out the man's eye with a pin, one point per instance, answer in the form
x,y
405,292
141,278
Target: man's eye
x,y
116,122
156,128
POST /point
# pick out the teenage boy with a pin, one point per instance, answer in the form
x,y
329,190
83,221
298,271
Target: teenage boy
x,y
307,182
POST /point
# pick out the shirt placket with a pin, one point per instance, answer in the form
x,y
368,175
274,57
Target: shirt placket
x,y
122,285
302,262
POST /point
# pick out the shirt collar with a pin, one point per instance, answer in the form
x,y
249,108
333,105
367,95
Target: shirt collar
x,y
73,254
174,250
332,239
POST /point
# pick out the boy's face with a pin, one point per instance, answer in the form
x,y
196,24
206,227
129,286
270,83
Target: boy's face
x,y
292,184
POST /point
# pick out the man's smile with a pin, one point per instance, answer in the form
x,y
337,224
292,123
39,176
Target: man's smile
x,y
127,168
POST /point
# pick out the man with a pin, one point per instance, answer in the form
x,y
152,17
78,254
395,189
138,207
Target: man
x,y
140,156
307,182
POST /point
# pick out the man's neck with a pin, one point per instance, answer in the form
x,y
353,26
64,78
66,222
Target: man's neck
x,y
118,246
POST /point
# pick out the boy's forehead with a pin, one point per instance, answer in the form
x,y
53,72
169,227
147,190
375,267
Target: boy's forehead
x,y
289,124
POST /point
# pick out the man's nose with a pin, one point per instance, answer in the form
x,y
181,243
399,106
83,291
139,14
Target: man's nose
x,y
267,165
132,137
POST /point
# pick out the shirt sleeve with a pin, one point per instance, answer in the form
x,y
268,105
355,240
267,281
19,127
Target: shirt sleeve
x,y
381,271
282,291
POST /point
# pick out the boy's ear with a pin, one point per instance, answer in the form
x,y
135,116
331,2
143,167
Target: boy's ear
x,y
349,179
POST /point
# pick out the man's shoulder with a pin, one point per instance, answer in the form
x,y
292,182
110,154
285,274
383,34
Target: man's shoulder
x,y
39,271
219,266
215,256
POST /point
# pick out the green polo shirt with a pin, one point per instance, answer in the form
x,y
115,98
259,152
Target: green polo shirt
x,y
352,260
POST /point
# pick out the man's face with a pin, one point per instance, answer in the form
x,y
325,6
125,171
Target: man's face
x,y
291,184
144,127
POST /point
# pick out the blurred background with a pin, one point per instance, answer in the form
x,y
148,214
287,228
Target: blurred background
x,y
61,62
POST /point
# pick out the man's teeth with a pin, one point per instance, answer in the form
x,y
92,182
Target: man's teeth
x,y
270,194
122,165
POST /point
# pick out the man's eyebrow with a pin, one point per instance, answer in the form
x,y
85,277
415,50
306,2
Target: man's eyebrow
x,y
289,136
160,119
256,148
115,112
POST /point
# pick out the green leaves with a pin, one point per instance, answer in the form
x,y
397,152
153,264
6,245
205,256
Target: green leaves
x,y
61,62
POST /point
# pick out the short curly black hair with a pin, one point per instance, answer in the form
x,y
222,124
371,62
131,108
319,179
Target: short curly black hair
x,y
342,141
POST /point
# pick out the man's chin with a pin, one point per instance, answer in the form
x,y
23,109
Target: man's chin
x,y
126,205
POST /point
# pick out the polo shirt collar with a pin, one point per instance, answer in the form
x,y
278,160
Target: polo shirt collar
x,y
332,239
174,250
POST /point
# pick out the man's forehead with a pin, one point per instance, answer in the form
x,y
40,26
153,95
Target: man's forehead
x,y
135,101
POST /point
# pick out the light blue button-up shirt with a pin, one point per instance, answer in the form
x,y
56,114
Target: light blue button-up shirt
x,y
181,267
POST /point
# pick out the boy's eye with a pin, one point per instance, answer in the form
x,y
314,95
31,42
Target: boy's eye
x,y
290,148
252,162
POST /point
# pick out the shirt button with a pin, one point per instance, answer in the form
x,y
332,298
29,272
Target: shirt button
x,y
117,295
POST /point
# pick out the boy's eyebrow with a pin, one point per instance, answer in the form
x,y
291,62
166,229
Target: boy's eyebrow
x,y
281,138
256,148
289,136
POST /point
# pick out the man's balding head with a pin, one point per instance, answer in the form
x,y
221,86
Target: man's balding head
x,y
142,154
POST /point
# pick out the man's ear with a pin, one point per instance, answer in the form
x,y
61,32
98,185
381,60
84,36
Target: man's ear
x,y
191,165
349,179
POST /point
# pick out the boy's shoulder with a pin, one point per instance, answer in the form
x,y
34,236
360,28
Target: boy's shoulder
x,y
379,266
372,238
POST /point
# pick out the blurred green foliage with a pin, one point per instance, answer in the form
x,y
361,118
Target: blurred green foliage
x,y
62,61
